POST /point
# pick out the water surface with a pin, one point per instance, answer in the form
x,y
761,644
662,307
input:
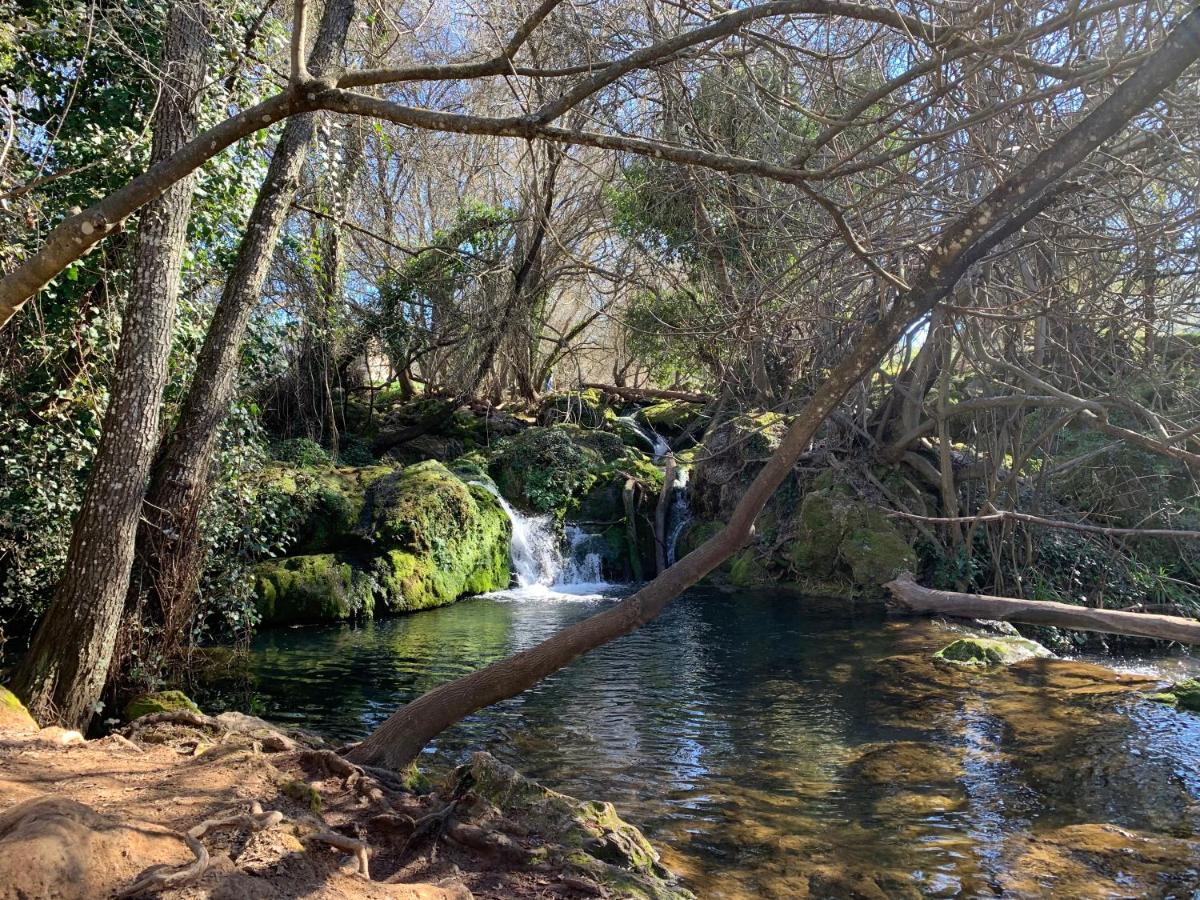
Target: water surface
x,y
734,731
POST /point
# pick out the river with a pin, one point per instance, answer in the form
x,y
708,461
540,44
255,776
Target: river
x,y
765,739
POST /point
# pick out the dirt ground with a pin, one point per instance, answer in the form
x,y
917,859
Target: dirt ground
x,y
89,819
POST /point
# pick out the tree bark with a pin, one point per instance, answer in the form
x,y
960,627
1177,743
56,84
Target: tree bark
x,y
170,549
1002,213
909,596
63,673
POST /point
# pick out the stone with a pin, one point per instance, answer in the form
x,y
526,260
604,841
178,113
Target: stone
x,y
988,652
159,702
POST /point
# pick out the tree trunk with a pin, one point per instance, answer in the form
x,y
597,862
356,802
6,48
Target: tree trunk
x,y
911,597
62,675
1001,214
170,548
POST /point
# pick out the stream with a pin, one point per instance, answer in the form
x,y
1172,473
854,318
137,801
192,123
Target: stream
x,y
734,731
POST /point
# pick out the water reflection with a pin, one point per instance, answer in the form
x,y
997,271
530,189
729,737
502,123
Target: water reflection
x,y
778,747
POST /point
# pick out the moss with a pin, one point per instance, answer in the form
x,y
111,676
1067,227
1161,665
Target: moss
x,y
327,502
745,570
441,538
588,408
838,536
159,702
989,652
542,469
670,418
13,714
312,589
303,793
1183,695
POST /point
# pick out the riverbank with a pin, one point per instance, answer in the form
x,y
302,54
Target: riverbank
x,y
274,817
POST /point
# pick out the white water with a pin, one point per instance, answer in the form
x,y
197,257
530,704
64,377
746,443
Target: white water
x,y
541,568
680,514
659,446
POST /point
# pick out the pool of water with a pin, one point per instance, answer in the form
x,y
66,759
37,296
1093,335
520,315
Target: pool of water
x,y
738,732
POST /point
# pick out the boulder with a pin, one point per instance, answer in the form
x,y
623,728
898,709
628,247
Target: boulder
x,y
585,836
325,503
732,455
544,469
670,418
324,587
159,702
14,717
1183,695
988,652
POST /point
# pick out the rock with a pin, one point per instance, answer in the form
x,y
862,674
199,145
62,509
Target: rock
x,y
987,652
52,847
61,737
159,702
586,836
1183,695
441,538
543,469
14,717
839,536
670,418
733,453
588,408
326,502
324,587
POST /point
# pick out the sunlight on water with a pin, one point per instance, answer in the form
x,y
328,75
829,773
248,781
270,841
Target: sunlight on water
x,y
763,740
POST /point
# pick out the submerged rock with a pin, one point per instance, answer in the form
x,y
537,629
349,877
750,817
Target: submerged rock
x,y
159,702
1183,695
585,836
986,652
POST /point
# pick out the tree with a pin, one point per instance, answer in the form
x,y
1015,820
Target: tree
x,y
1000,215
62,674
170,549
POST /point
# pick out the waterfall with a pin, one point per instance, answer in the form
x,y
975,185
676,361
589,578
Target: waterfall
x,y
538,562
680,514
659,446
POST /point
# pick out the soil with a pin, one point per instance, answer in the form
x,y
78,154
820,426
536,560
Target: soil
x,y
88,819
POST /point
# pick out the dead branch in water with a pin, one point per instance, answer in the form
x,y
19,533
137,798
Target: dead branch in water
x,y
909,596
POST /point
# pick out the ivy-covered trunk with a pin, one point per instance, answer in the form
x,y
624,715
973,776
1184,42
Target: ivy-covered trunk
x,y
170,546
63,673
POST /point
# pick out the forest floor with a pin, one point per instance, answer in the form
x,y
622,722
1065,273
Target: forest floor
x,y
88,819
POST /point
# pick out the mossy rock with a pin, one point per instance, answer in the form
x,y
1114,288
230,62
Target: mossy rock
x,y
731,456
440,538
670,418
587,836
1183,695
745,569
543,469
312,589
159,702
838,537
989,652
14,717
326,501
589,408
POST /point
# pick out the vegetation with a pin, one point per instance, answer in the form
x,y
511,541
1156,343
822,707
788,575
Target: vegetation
x,y
779,294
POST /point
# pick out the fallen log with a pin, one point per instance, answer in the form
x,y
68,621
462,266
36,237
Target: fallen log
x,y
630,393
909,596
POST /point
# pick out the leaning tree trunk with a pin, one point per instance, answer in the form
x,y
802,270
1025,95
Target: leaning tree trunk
x,y
63,673
170,546
1002,213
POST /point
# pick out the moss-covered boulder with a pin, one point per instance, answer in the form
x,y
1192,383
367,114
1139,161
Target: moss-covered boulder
x,y
1183,695
589,408
988,652
670,418
839,537
325,502
159,702
14,717
543,469
440,538
323,587
585,837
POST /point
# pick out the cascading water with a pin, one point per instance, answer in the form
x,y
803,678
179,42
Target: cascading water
x,y
680,514
659,446
539,564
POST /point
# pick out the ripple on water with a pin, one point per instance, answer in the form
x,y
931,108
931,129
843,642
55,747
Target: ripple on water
x,y
734,730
